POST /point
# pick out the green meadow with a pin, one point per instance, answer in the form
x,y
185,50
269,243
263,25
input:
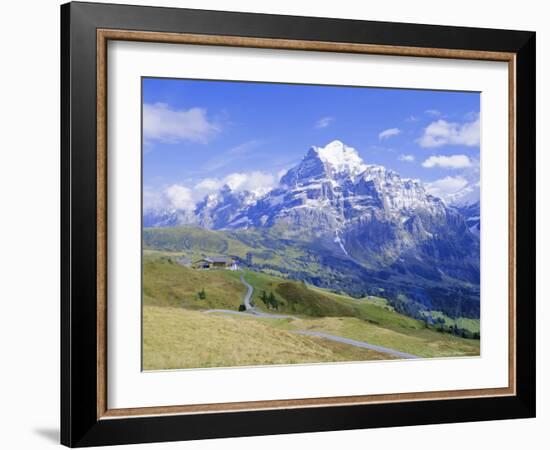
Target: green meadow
x,y
180,331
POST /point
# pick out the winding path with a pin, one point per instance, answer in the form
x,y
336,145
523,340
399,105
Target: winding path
x,y
249,309
248,294
252,311
361,344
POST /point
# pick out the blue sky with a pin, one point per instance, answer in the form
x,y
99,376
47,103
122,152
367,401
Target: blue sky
x,y
198,134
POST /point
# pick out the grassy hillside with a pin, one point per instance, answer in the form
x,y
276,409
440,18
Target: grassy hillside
x,y
170,284
179,334
301,299
192,240
177,338
271,252
166,283
422,342
472,325
197,242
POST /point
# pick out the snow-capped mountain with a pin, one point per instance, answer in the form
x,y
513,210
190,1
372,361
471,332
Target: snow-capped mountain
x,y
219,209
471,213
359,225
367,212
334,187
335,161
468,195
167,217
363,212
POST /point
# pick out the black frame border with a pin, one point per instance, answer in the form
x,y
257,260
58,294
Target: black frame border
x,y
79,424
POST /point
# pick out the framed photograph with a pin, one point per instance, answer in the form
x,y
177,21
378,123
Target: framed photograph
x,y
277,224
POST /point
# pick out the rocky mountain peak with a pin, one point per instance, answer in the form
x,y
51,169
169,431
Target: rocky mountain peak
x,y
330,191
340,158
335,161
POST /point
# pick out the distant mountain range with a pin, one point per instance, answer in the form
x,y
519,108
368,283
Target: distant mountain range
x,y
471,214
358,218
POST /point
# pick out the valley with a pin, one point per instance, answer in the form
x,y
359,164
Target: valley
x,y
178,331
264,254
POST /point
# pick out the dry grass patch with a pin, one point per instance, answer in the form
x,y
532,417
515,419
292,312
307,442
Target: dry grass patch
x,y
177,338
166,283
422,342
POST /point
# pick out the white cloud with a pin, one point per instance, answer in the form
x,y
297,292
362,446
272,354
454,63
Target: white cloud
x,y
152,199
161,123
324,122
258,182
448,162
236,180
432,112
281,173
471,115
255,181
445,187
209,184
407,158
467,195
441,133
180,197
389,133
411,118
205,187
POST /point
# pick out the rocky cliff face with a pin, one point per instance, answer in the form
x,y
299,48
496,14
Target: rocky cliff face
x,y
364,212
472,215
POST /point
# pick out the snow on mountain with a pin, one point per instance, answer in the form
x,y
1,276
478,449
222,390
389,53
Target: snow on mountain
x,y
221,208
167,217
348,214
328,190
468,195
399,194
472,216
340,159
358,209
332,186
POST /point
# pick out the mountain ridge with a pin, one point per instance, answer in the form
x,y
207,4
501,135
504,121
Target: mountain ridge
x,y
363,223
335,166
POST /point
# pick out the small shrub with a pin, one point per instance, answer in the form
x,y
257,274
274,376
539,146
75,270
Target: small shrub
x,y
273,301
269,300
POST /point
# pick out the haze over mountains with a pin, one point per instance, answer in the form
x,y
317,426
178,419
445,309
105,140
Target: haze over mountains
x,y
358,219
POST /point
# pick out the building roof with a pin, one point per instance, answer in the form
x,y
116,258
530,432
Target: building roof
x,y
217,259
221,259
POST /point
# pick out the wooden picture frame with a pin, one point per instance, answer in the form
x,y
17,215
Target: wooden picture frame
x,y
86,418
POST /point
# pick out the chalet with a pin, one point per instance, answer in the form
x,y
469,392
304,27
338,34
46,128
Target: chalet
x,y
219,262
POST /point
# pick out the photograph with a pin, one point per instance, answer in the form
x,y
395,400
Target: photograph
x,y
298,223
277,223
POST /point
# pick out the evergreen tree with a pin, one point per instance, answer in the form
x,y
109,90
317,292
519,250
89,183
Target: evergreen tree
x,y
272,301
